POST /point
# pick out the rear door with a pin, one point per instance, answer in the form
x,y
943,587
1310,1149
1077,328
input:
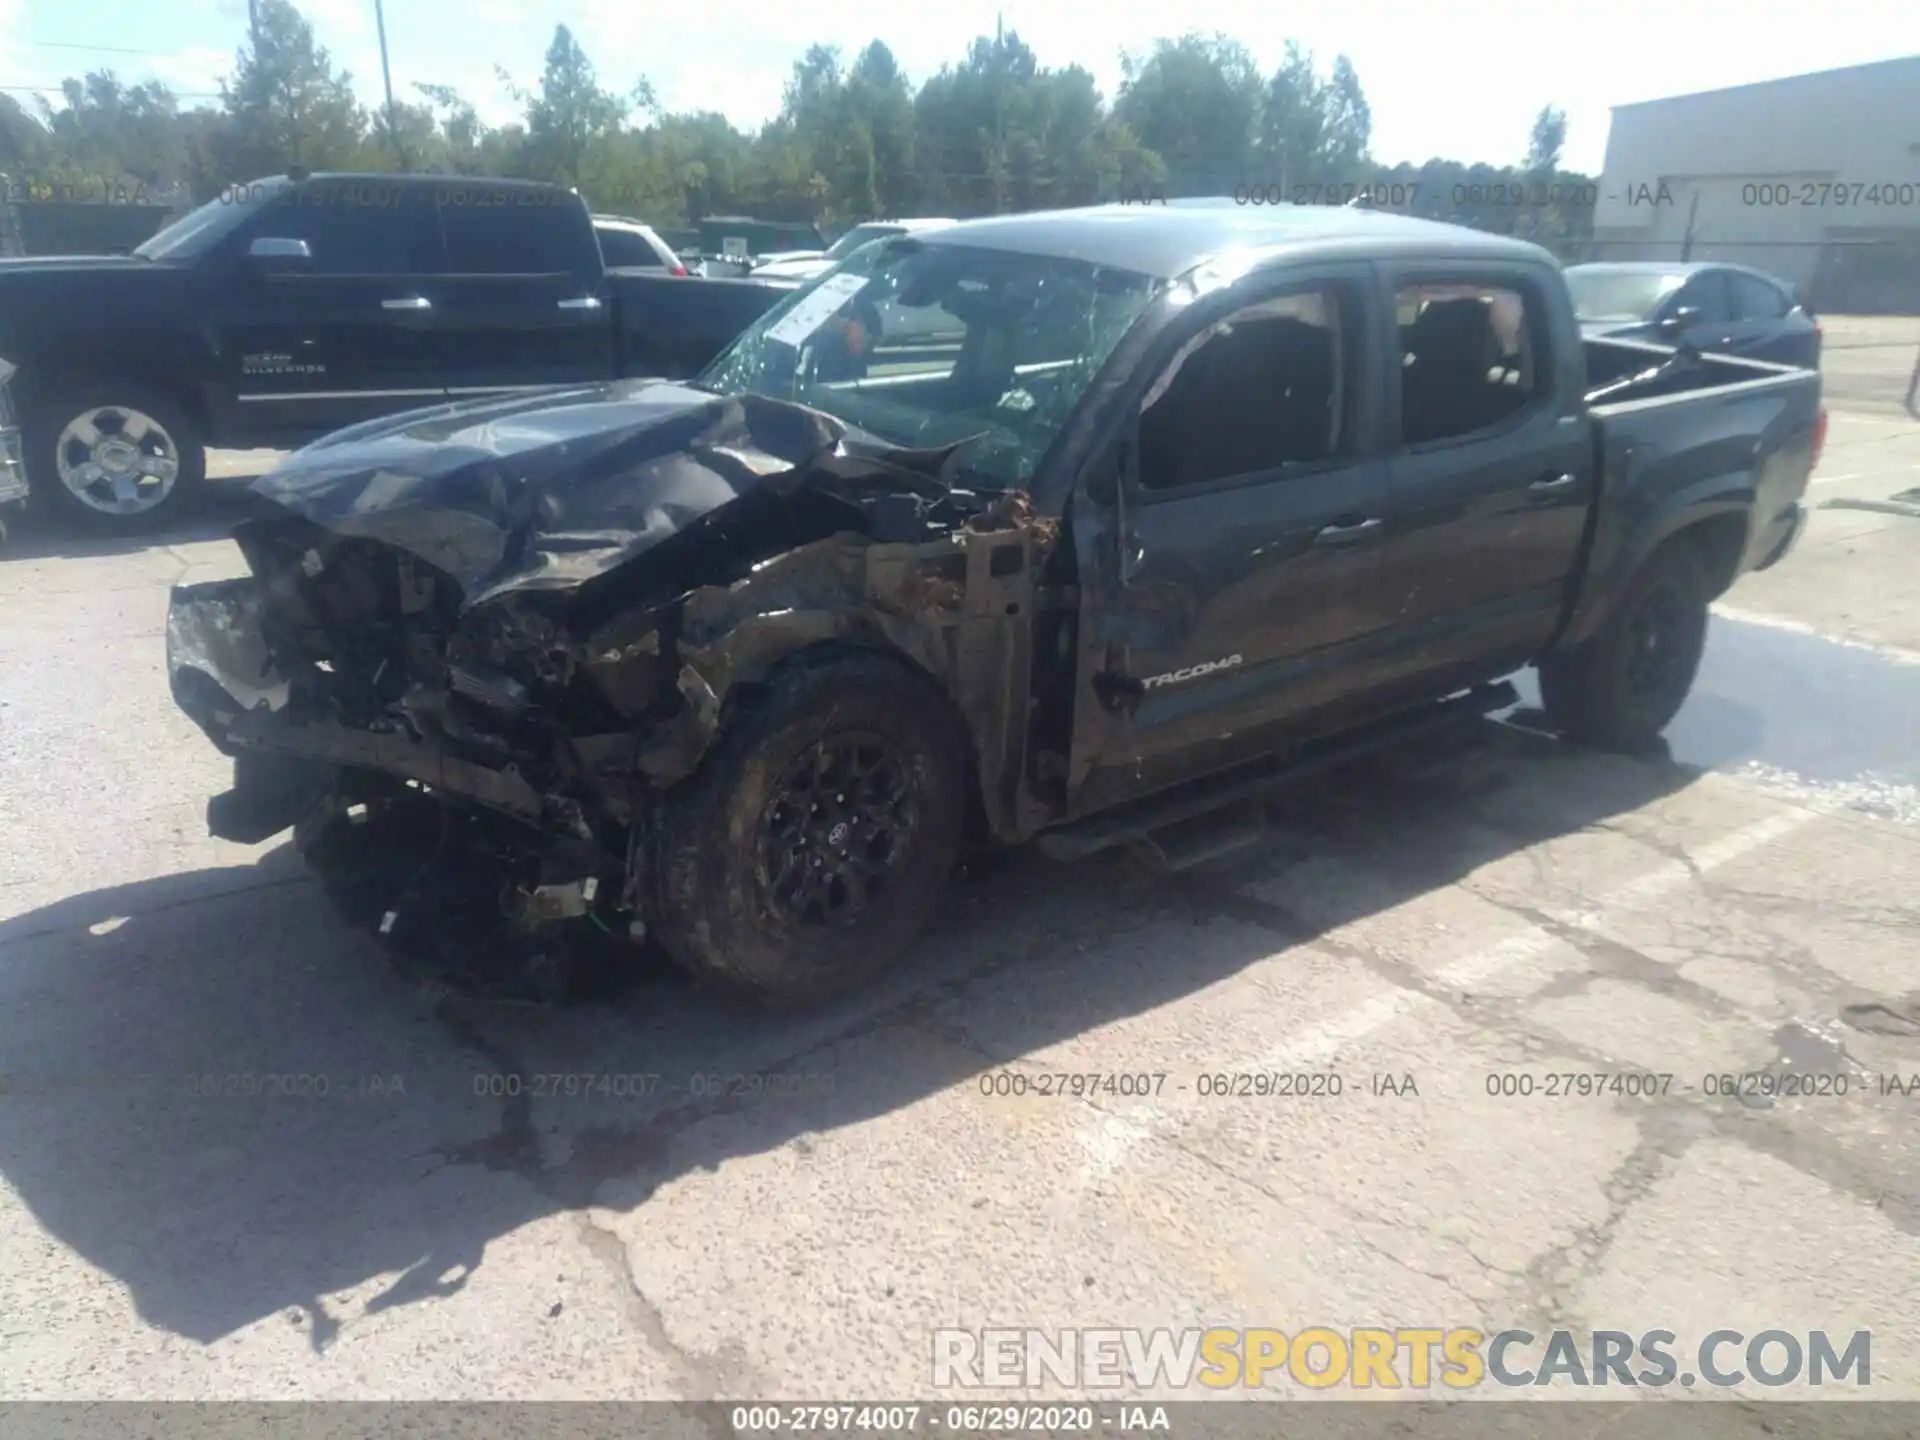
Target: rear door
x,y
1247,573
314,344
1491,469
523,303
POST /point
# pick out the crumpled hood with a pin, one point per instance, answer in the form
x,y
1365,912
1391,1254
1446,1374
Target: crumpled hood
x,y
547,491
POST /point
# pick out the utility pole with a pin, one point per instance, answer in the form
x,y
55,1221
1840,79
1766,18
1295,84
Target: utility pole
x,y
1686,242
999,163
386,79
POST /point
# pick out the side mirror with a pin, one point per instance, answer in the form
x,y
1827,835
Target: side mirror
x,y
277,254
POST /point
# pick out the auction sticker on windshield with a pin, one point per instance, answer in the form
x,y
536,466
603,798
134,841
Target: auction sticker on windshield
x,y
810,314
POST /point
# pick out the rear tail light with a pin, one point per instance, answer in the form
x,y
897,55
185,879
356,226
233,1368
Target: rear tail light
x,y
1819,434
680,270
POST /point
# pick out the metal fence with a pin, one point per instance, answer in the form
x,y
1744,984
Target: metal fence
x,y
63,224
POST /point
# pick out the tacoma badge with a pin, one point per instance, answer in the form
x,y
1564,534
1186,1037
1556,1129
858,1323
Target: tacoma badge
x,y
1192,672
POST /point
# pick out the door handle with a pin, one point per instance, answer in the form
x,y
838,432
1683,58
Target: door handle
x,y
1335,536
407,302
1554,484
581,302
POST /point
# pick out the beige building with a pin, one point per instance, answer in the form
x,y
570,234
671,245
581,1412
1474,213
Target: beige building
x,y
1814,178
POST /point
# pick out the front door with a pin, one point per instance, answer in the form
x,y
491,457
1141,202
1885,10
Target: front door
x,y
1233,575
342,336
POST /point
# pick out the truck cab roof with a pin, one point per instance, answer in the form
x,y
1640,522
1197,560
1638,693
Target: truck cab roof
x,y
1167,241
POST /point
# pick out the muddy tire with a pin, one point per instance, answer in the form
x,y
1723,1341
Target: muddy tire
x,y
815,841
111,457
1620,689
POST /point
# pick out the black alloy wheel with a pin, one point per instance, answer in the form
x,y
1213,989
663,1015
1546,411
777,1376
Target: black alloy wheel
x,y
836,831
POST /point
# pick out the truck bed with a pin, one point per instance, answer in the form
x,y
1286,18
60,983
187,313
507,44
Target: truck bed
x,y
1622,370
1692,435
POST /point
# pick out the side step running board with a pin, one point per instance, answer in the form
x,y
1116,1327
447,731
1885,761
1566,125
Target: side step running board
x,y
1165,827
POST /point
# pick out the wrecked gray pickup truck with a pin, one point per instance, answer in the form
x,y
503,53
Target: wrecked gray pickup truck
x,y
1160,509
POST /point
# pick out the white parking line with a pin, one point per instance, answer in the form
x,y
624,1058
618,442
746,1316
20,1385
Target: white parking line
x,y
1109,1138
1854,417
1895,653
1877,471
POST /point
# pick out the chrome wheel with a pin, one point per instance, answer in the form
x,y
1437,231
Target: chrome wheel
x,y
117,460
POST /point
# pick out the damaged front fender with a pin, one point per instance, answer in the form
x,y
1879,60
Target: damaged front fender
x,y
549,609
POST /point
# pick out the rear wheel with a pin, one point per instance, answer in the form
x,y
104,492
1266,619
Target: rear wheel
x,y
1621,688
112,457
814,843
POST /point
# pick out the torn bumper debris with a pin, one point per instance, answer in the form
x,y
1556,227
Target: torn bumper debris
x,y
538,614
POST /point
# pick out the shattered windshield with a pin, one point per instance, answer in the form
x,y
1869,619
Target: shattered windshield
x,y
927,345
858,236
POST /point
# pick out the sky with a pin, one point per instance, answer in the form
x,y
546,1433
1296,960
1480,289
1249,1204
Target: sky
x,y
1462,80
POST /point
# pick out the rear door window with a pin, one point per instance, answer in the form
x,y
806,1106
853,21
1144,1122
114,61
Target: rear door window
x,y
1707,293
1755,299
514,231
624,248
1471,359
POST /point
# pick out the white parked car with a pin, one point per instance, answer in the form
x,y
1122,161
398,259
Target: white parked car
x,y
629,245
805,264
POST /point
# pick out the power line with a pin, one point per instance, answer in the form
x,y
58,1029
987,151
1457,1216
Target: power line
x,y
104,49
54,89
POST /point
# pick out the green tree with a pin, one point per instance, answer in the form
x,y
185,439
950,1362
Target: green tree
x,y
570,114
1196,102
285,104
116,135
1313,133
1546,141
879,106
1346,136
994,131
25,145
460,133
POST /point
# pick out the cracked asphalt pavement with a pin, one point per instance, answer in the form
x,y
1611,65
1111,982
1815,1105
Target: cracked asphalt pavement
x,y
1451,918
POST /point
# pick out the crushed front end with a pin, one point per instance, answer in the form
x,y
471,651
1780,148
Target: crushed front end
x,y
466,675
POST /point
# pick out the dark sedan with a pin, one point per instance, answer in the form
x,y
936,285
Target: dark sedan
x,y
1726,309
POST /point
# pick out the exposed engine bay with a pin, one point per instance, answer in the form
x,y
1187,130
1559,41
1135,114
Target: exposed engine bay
x,y
481,645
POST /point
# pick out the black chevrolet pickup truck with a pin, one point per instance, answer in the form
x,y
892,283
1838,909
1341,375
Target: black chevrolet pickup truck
x,y
1166,508
287,308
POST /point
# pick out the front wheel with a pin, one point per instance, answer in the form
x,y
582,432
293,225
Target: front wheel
x,y
112,457
812,846
1621,688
